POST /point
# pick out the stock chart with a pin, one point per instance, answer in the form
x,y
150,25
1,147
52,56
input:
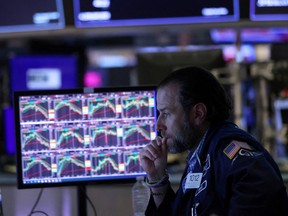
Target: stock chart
x,y
34,111
85,135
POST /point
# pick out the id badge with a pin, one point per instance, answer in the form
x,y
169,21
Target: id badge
x,y
193,180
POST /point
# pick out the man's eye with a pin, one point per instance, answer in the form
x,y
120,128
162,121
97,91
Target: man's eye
x,y
165,114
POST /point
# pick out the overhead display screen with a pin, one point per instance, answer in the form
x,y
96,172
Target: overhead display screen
x,y
97,13
250,35
19,16
268,10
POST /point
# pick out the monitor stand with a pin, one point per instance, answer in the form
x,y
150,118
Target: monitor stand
x,y
82,205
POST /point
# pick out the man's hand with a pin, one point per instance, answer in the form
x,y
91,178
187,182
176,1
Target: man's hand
x,y
153,159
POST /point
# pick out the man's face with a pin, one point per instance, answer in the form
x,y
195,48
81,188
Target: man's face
x,y
173,123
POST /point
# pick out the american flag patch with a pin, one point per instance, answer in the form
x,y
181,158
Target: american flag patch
x,y
232,149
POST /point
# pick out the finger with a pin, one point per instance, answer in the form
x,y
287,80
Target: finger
x,y
159,140
144,154
154,149
149,152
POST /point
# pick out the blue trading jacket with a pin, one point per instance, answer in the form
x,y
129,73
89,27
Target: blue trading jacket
x,y
238,180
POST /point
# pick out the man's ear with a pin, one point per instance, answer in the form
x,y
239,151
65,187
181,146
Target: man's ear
x,y
198,113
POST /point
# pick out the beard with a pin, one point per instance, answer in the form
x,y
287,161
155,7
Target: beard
x,y
186,138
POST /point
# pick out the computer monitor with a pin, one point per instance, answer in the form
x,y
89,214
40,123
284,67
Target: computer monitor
x,y
153,65
17,16
281,113
263,10
38,72
109,13
109,67
281,126
9,131
80,136
265,35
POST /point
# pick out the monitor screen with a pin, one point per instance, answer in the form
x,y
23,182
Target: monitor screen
x,y
154,65
9,131
223,35
109,67
264,10
16,16
250,35
281,126
281,113
265,35
68,137
103,13
38,72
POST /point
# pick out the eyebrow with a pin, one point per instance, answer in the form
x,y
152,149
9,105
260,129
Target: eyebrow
x,y
162,109
169,109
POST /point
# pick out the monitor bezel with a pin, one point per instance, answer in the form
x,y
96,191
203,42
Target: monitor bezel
x,y
19,169
270,15
30,27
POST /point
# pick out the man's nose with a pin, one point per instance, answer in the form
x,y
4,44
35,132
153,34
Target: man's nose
x,y
159,125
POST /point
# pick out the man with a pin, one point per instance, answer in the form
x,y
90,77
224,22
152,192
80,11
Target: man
x,y
228,172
